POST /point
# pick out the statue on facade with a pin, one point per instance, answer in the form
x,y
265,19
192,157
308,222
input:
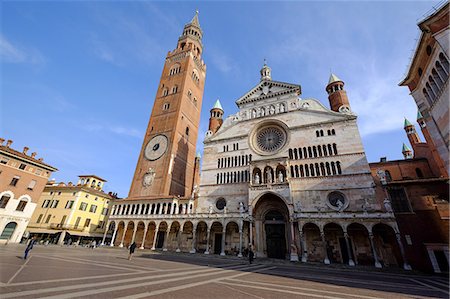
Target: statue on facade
x,y
387,205
382,175
241,207
280,177
257,179
269,176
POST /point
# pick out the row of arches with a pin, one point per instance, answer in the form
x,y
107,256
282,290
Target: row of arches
x,y
319,133
176,69
216,237
316,169
152,209
351,243
165,91
436,80
233,177
269,110
314,151
235,161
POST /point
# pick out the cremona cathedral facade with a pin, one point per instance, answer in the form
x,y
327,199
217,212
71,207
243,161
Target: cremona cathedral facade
x,y
285,174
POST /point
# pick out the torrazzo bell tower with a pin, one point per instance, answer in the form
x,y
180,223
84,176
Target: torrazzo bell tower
x,y
166,163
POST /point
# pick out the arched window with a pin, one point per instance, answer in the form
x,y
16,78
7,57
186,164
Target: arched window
x,y
165,92
338,166
292,171
295,154
444,61
317,133
175,89
427,96
433,85
306,170
8,231
300,153
4,200
187,131
166,106
315,151
430,92
327,166
335,148
319,150
437,78
419,173
322,169
321,133
333,168
309,152
311,169
290,154
296,171
302,171
443,73
317,169
324,148
330,150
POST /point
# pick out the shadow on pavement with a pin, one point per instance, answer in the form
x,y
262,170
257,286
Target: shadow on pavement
x,y
386,280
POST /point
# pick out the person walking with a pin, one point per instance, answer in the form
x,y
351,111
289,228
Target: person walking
x,y
30,245
251,254
132,249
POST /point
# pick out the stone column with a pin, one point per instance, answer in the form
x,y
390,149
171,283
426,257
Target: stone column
x,y
143,238
222,251
123,235
180,232
166,239
155,238
208,234
349,252
250,225
258,247
374,251
326,261
114,236
134,233
294,254
304,250
194,240
63,235
240,241
104,235
406,266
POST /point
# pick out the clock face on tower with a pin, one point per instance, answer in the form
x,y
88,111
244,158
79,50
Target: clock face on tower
x,y
156,147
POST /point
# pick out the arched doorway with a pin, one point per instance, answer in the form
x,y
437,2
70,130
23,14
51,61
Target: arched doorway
x,y
274,226
8,231
271,225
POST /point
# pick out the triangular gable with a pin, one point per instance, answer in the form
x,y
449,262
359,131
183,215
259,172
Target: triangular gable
x,y
267,89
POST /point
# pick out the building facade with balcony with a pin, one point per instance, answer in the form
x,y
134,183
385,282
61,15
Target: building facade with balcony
x,y
70,213
22,180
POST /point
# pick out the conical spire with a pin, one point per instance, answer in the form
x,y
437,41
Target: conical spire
x,y
407,123
334,78
419,115
217,105
405,148
194,21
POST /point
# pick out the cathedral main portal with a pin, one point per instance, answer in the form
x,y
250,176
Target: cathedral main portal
x,y
275,235
271,216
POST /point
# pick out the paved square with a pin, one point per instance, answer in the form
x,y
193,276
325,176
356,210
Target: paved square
x,y
62,272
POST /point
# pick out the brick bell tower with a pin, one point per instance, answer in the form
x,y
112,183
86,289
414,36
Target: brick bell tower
x,y
166,162
337,95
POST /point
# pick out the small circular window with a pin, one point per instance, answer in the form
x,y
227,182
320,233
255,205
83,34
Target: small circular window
x,y
337,201
221,203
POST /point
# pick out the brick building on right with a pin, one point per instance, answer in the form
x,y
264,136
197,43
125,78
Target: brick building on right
x,y
427,79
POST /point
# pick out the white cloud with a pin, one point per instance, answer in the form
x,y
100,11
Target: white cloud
x,y
10,53
220,60
115,129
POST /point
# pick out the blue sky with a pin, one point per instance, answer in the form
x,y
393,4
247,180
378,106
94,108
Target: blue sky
x,y
78,79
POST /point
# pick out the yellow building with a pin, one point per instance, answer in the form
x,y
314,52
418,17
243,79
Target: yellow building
x,y
69,213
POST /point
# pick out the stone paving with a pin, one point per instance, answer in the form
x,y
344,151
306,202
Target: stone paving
x,y
63,272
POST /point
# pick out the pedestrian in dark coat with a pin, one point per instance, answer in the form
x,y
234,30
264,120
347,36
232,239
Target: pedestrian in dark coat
x,y
251,255
30,245
132,249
